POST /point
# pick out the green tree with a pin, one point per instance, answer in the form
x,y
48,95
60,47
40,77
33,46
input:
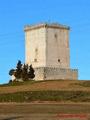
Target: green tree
x,y
25,72
31,71
18,73
12,72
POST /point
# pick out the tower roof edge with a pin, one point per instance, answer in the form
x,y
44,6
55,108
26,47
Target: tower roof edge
x,y
48,25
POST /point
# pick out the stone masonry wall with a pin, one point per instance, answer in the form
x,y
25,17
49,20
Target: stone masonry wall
x,y
47,73
57,48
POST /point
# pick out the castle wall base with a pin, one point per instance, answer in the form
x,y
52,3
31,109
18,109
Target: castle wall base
x,y
49,73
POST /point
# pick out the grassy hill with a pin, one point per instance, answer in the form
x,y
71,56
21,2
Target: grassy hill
x,y
55,90
75,85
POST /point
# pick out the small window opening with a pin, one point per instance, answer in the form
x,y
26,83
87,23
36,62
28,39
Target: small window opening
x,y
58,60
36,50
56,36
35,60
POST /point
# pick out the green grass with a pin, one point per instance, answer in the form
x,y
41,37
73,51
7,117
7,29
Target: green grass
x,y
85,84
29,96
16,83
82,83
73,95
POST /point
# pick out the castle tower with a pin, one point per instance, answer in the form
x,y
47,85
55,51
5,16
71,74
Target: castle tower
x,y
47,49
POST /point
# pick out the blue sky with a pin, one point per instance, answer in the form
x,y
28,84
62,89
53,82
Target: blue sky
x,y
15,14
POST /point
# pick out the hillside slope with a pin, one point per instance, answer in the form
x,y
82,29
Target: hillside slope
x,y
67,85
59,90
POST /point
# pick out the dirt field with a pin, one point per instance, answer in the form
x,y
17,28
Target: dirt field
x,y
46,111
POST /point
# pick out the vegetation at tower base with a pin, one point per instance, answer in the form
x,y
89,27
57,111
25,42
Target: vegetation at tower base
x,y
22,72
11,72
18,71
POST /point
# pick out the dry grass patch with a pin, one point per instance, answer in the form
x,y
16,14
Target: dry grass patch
x,y
68,85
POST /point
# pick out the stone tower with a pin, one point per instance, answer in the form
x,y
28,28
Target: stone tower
x,y
47,49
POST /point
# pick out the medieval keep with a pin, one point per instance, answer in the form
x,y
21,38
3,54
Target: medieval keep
x,y
47,49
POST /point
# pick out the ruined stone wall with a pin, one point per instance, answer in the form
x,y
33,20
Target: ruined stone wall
x,y
47,73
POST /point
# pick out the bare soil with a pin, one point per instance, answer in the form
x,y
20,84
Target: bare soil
x,y
32,111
